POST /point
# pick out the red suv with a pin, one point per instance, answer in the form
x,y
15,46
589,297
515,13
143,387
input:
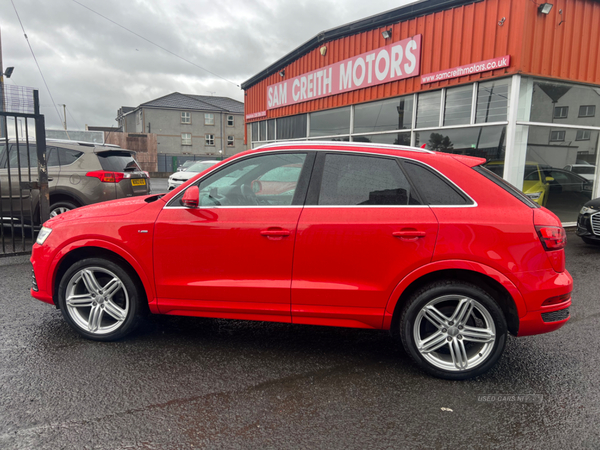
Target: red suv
x,y
432,246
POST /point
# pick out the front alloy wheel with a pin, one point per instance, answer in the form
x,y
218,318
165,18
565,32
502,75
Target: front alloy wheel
x,y
453,330
99,299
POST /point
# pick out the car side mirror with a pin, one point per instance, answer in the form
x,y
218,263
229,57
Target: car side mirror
x,y
549,179
191,197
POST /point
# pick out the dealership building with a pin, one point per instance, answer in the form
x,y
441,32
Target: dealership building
x,y
516,82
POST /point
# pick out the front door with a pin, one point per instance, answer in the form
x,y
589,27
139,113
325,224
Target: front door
x,y
232,256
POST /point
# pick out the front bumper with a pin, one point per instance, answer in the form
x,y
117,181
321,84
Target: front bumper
x,y
588,226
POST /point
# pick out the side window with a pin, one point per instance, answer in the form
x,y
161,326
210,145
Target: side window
x,y
52,156
20,158
268,180
363,180
67,156
434,189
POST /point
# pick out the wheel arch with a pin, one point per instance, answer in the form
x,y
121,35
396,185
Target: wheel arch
x,y
494,283
80,250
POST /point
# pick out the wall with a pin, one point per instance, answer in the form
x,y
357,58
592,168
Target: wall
x,y
166,124
143,144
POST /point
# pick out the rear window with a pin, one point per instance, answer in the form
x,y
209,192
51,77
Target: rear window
x,y
506,186
118,161
435,189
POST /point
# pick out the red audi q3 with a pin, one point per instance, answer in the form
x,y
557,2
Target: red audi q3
x,y
431,246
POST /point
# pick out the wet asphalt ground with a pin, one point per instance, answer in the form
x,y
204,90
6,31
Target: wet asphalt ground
x,y
184,383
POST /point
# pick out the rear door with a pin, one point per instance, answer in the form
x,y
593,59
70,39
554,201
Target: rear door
x,y
362,230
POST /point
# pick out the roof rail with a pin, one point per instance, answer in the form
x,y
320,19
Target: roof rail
x,y
343,144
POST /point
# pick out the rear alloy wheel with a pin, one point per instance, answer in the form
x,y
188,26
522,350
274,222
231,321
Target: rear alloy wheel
x,y
453,330
60,207
99,299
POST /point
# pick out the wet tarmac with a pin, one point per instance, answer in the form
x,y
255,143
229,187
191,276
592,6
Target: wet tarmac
x,y
183,383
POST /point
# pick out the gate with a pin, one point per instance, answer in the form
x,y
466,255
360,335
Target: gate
x,y
24,197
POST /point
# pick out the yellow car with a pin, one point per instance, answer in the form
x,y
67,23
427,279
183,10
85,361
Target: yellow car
x,y
536,185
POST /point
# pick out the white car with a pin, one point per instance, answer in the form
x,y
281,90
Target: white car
x,y
178,178
586,171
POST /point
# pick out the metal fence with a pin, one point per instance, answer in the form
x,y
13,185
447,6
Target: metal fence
x,y
24,195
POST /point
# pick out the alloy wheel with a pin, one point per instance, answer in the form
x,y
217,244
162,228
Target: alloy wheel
x,y
454,333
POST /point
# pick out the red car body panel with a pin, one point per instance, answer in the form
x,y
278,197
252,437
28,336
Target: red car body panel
x,y
238,260
308,264
335,282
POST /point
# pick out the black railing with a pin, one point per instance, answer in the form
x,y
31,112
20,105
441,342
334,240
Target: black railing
x,y
24,199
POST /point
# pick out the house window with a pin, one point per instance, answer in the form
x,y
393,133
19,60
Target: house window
x,y
230,141
587,111
209,139
561,112
186,138
230,121
209,119
186,117
583,135
557,136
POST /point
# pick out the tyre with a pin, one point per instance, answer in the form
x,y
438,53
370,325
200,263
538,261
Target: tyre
x,y
453,330
61,207
100,299
590,241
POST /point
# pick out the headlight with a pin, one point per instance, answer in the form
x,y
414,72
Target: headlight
x,y
43,235
534,196
586,210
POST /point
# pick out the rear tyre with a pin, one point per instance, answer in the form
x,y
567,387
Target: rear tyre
x,y
453,330
61,207
100,299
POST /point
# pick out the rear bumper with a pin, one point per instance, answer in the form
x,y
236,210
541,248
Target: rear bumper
x,y
546,320
541,319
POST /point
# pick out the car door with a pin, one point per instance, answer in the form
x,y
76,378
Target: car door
x,y
362,230
232,256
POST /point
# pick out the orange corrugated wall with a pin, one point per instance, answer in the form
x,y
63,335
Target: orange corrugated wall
x,y
564,46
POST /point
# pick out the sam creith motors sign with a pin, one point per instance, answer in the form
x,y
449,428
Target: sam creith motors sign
x,y
390,63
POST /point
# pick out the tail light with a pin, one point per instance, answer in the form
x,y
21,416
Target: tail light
x,y
556,300
108,177
552,238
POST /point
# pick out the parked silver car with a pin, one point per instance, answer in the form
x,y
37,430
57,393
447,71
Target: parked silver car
x,y
79,174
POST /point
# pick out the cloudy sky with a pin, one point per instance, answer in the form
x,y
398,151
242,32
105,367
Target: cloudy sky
x,y
94,66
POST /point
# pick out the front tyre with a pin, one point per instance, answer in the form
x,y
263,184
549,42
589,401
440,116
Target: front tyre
x,y
100,299
453,330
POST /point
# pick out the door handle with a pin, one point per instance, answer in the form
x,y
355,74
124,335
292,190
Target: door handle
x,y
50,179
409,234
277,232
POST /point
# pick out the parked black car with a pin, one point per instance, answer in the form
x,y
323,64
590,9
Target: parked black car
x,y
588,222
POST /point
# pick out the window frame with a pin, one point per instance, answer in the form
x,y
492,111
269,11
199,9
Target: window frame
x,y
184,139
558,138
209,140
560,108
186,117
582,136
209,119
230,118
593,108
230,141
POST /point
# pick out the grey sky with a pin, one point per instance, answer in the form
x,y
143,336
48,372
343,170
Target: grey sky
x,y
94,66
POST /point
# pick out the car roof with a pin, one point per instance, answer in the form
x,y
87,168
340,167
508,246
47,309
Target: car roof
x,y
387,149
